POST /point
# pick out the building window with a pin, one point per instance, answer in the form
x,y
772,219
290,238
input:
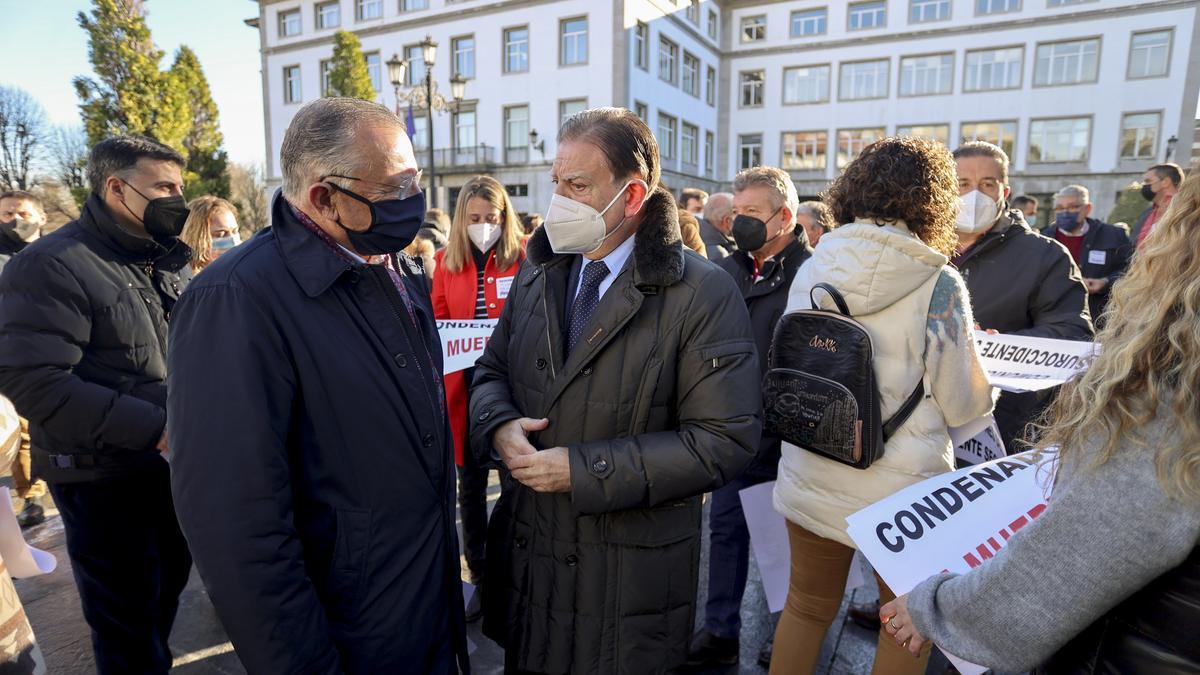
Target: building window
x,y
924,11
689,146
867,15
413,5
289,23
1072,62
570,107
666,136
516,134
329,15
805,151
932,132
641,46
1060,140
573,48
806,84
420,132
464,56
754,28
926,75
710,86
983,7
749,151
291,84
1000,134
374,70
1139,135
668,56
326,76
690,79
709,153
752,89
693,12
517,189
851,143
994,69
1149,54
642,110
1064,3
516,50
365,10
464,130
863,80
712,25
416,65
807,22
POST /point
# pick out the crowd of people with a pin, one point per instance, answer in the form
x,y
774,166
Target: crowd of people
x,y
277,412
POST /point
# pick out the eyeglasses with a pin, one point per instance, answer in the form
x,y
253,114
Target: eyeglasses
x,y
408,187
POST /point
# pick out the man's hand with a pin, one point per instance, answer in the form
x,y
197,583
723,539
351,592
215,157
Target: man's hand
x,y
544,471
511,439
1095,286
162,444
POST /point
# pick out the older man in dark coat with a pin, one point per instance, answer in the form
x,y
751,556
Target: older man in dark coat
x,y
311,452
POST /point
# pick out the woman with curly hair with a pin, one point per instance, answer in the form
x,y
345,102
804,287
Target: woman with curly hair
x,y
1107,579
897,204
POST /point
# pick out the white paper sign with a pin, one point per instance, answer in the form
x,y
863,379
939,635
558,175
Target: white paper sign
x,y
952,522
463,341
1097,257
1019,363
978,441
769,541
503,285
21,559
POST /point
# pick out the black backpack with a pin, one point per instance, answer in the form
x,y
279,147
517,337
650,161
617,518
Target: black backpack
x,y
819,391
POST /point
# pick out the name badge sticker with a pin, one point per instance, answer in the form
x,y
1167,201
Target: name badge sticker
x,y
503,284
1097,257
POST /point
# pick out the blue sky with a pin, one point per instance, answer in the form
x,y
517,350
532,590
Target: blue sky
x,y
44,48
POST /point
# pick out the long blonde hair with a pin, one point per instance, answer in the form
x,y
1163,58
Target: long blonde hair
x,y
197,233
1150,357
507,247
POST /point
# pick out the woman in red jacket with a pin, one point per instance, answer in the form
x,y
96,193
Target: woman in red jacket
x,y
471,281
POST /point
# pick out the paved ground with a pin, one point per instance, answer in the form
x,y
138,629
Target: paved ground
x,y
200,645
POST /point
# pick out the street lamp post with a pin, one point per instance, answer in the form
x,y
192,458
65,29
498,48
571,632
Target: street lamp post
x,y
429,55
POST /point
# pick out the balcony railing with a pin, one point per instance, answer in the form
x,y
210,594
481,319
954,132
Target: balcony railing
x,y
475,155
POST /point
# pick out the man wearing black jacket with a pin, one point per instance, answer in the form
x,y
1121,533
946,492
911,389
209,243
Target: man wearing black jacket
x,y
1102,251
83,336
1020,282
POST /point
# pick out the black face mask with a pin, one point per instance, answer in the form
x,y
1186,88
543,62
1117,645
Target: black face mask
x,y
164,217
750,233
1147,192
394,223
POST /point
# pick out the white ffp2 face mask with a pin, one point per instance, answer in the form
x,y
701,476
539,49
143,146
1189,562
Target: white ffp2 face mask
x,y
484,235
575,227
976,212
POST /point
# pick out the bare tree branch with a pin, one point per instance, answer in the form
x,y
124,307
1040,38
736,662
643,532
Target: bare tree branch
x,y
22,133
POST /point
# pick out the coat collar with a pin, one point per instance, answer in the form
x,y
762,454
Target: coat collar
x,y
169,255
311,263
657,253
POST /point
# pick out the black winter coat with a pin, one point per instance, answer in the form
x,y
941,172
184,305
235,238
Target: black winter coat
x,y
1023,283
658,403
311,460
1105,255
83,340
766,301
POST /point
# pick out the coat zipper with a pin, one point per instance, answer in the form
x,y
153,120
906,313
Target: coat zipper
x,y
546,311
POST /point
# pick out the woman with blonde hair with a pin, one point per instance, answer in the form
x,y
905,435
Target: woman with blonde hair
x,y
1107,579
471,280
211,229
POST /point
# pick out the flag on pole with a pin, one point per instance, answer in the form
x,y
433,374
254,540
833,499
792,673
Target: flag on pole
x,y
409,122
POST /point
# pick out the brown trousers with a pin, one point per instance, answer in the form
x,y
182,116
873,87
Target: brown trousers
x,y
26,487
818,581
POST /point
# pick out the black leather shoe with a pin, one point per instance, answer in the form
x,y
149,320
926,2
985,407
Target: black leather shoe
x,y
475,606
764,654
866,615
708,650
31,515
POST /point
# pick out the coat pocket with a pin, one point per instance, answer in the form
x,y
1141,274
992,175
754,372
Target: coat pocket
x,y
645,397
347,571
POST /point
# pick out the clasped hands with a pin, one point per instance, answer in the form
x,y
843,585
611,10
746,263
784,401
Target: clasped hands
x,y
546,470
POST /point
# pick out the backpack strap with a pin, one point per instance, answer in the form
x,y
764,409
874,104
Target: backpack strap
x,y
906,410
833,293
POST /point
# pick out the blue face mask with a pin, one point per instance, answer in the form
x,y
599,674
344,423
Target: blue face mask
x,y
1066,221
394,223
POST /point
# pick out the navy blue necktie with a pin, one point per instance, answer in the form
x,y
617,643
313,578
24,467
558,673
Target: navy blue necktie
x,y
586,300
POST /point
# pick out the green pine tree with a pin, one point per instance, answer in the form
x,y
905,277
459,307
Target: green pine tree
x,y
207,168
348,73
129,94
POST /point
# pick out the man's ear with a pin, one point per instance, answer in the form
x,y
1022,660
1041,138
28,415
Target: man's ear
x,y
320,195
1007,191
636,196
1087,211
114,185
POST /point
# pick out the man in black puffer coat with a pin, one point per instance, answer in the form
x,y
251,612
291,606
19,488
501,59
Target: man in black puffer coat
x,y
83,339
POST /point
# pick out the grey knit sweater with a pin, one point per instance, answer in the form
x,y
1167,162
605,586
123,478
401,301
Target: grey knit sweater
x,y
1108,532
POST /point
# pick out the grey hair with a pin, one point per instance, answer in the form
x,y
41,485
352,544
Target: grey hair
x,y
719,205
1077,191
984,149
321,140
776,179
820,213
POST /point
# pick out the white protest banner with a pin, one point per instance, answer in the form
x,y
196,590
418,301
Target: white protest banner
x,y
1019,363
977,441
952,522
769,540
463,341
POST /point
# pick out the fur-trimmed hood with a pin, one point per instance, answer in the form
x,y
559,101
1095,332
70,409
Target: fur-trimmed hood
x,y
657,253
